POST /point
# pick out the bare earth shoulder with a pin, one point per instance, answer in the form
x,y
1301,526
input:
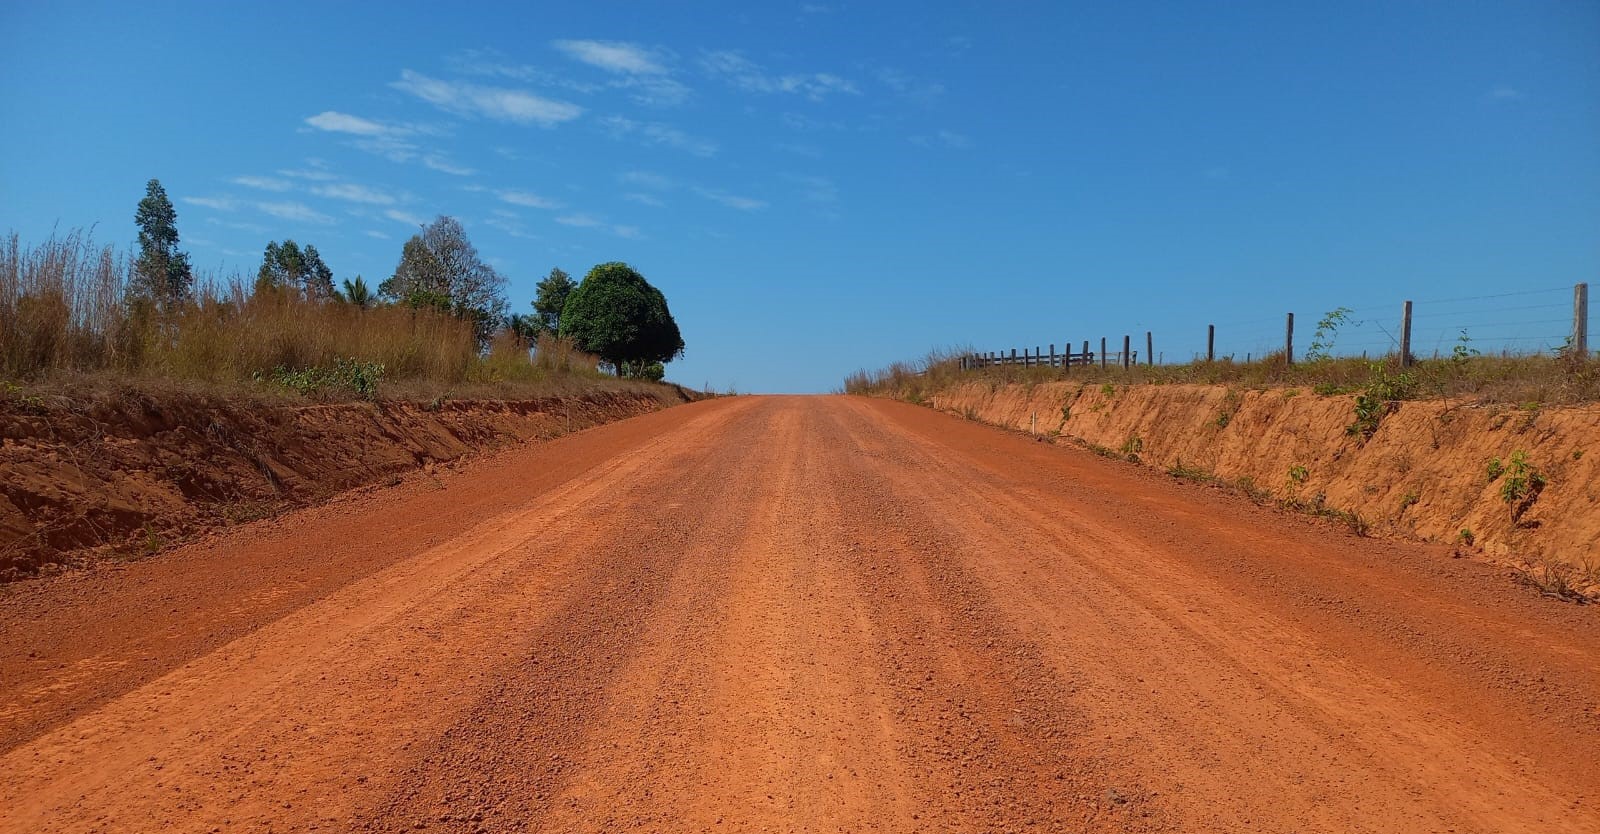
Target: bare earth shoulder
x,y
796,614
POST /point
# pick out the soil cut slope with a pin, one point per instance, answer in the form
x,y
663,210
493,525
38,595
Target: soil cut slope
x,y
131,473
1428,471
795,614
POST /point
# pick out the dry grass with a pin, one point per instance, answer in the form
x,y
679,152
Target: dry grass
x,y
65,325
1560,379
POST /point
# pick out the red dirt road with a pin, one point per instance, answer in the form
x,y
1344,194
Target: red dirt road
x,y
796,614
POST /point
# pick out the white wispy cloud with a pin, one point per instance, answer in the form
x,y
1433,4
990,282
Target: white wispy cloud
x,y
405,217
799,149
731,200
1504,92
917,90
217,203
252,228
581,221
527,199
445,165
333,121
311,174
613,56
644,199
355,194
508,223
491,62
946,138
388,147
295,212
263,183
644,71
376,234
647,179
656,133
498,103
745,74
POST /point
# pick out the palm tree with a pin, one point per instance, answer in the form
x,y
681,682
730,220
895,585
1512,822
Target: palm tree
x,y
357,293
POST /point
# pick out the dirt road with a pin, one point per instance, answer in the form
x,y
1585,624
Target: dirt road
x,y
796,614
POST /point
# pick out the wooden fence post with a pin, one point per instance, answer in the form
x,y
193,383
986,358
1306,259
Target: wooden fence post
x,y
1013,356
1211,343
1405,335
1125,356
1288,341
1580,320
1086,361
1102,351
1052,354
1149,350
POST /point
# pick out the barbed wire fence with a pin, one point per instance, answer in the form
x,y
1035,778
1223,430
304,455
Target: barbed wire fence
x,y
1526,322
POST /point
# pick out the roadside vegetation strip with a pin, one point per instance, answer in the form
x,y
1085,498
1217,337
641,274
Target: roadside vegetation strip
x,y
441,321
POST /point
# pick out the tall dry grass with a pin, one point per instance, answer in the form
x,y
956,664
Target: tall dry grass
x,y
1502,378
64,312
61,306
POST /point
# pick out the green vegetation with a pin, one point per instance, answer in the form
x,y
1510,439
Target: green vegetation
x,y
618,316
1377,398
345,375
1561,379
551,298
161,275
440,269
1327,331
1522,484
76,314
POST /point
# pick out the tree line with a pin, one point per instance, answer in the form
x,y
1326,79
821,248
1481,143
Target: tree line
x,y
613,313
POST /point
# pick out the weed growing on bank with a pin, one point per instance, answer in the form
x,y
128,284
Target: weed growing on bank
x,y
1564,378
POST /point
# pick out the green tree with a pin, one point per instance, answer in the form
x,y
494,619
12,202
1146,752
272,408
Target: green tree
x,y
551,298
161,273
440,268
287,266
524,327
618,316
356,292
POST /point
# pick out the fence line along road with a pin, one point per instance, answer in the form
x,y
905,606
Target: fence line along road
x,y
1577,339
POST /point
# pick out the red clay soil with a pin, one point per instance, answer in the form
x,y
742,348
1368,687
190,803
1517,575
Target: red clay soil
x,y
796,614
128,473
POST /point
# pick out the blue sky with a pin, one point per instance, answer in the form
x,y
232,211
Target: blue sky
x,y
819,187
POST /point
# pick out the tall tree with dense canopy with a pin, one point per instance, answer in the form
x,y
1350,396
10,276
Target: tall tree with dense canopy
x,y
618,316
551,298
440,268
161,273
287,266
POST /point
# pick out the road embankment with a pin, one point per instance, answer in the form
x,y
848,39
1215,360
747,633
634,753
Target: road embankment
x,y
1515,484
129,474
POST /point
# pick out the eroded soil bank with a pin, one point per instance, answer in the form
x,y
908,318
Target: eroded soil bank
x,y
1429,470
131,473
